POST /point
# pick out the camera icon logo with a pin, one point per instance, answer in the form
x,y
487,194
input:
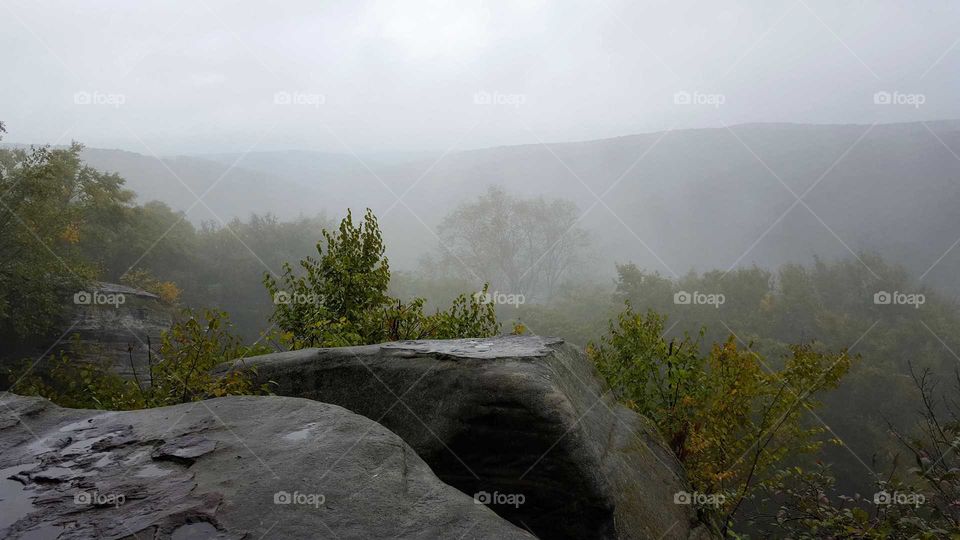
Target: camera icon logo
x,y
882,298
282,98
82,98
482,98
682,497
882,98
882,497
682,298
82,298
282,497
682,98
281,297
482,497
83,498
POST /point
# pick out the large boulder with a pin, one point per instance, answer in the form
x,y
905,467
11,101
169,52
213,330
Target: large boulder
x,y
522,423
228,468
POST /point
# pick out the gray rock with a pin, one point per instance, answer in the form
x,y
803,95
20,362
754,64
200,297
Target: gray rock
x,y
117,333
524,423
109,323
228,468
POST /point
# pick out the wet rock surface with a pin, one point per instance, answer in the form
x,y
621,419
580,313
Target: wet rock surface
x,y
227,468
522,423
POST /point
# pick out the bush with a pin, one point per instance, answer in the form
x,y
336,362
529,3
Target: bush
x,y
179,371
167,291
341,297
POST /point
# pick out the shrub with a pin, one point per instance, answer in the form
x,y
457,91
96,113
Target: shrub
x,y
168,291
341,297
179,370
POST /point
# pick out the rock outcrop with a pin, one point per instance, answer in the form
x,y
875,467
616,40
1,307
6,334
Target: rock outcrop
x,y
522,423
109,323
227,468
116,331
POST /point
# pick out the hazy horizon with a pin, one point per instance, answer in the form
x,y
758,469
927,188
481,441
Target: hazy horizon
x,y
433,77
404,155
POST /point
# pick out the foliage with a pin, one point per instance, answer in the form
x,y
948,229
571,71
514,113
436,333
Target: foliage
x,y
926,504
728,416
808,508
521,246
578,313
229,261
179,371
834,303
168,291
341,297
51,204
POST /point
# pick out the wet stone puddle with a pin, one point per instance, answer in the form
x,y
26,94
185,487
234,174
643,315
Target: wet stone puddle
x,y
17,502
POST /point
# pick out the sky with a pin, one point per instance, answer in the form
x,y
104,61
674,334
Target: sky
x,y
409,76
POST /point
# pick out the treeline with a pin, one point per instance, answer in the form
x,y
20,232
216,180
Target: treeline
x,y
64,223
728,347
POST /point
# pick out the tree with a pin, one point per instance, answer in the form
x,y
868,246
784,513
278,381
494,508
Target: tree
x,y
523,246
728,416
50,202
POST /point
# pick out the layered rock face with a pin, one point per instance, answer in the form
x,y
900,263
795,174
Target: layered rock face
x,y
522,423
227,468
115,330
108,323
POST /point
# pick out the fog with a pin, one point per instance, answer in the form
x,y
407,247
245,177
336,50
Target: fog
x,y
198,77
468,225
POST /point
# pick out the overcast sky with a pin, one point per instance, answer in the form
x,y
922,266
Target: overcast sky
x,y
216,76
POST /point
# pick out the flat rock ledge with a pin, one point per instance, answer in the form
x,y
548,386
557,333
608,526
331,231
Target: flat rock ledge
x,y
226,468
522,423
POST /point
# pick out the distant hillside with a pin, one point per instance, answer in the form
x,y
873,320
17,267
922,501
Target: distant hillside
x,y
697,198
178,181
700,198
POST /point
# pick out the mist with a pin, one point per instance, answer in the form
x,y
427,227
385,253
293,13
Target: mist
x,y
479,269
377,77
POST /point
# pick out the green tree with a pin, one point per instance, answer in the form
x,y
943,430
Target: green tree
x,y
340,298
728,416
50,203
